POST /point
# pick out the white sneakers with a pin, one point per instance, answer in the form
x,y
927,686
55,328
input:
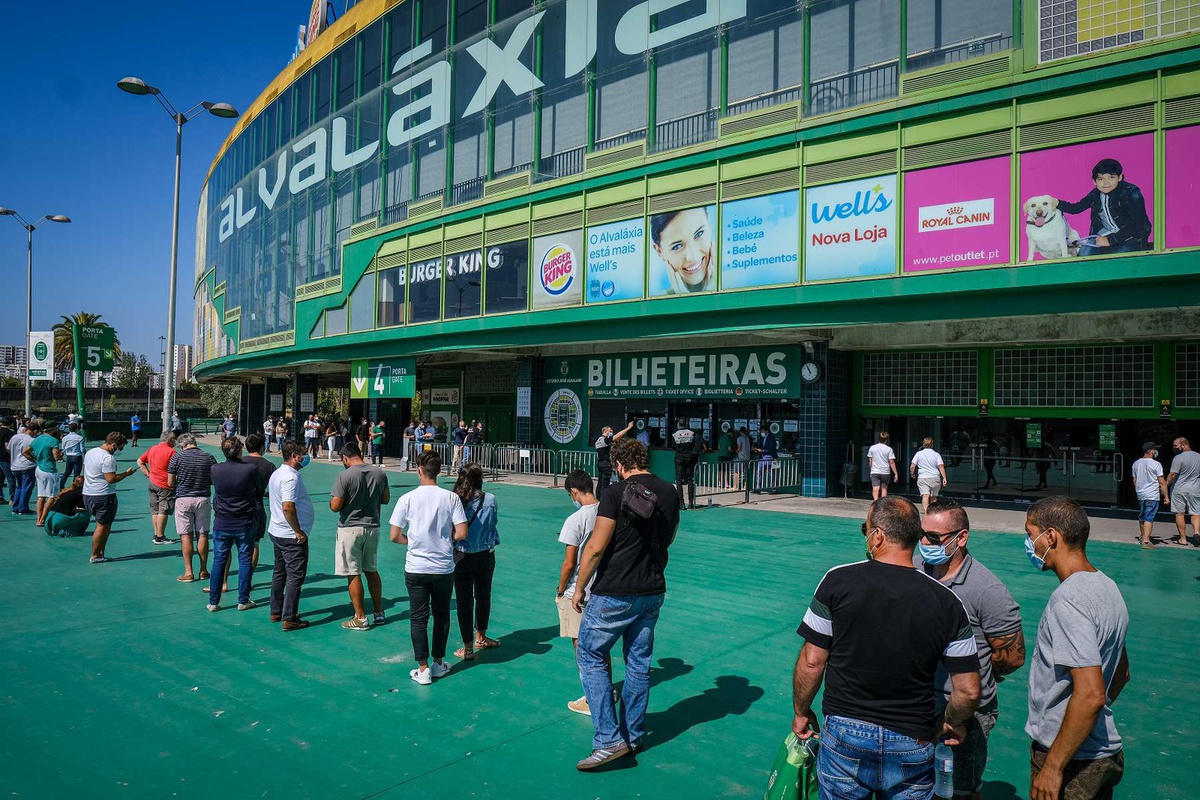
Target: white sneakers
x,y
426,676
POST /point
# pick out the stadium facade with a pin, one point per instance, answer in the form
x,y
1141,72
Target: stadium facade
x,y
829,217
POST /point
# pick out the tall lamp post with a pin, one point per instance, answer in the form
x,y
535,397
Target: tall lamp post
x,y
140,87
30,228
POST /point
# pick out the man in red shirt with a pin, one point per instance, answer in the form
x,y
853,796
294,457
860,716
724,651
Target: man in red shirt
x,y
153,464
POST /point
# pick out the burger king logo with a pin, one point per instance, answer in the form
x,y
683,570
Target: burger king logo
x,y
558,269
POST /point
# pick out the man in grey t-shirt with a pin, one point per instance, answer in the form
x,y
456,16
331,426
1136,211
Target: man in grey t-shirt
x,y
356,496
1080,662
1184,483
995,620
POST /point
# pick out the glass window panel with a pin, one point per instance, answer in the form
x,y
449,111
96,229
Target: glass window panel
x,y
370,49
343,214
362,304
391,297
323,88
507,9
425,290
941,32
855,53
284,121
470,159
318,330
433,15
513,137
369,184
472,19
621,81
335,321
399,183
399,33
302,103
322,242
766,56
688,89
431,164
507,277
346,69
464,279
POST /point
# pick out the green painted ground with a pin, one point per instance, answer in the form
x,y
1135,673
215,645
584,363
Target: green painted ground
x,y
117,683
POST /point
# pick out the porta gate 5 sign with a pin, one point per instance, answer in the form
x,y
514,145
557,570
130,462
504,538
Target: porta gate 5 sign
x,y
41,354
392,378
96,347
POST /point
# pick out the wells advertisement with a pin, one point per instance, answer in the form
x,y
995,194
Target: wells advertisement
x,y
758,241
850,229
616,261
747,373
957,216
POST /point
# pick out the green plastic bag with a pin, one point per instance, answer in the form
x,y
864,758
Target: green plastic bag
x,y
794,773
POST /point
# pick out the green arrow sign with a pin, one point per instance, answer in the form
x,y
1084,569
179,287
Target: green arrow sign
x,y
96,346
395,377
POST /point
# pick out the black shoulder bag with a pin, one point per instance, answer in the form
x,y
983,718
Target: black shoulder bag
x,y
638,500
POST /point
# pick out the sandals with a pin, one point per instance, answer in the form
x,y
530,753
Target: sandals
x,y
203,575
485,642
186,578
465,653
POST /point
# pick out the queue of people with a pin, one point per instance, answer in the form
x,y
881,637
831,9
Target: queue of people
x,y
909,644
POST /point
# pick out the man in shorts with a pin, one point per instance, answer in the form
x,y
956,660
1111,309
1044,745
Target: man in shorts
x,y
135,429
883,466
45,452
357,494
189,473
930,471
100,478
575,532
153,463
254,455
1184,483
1150,485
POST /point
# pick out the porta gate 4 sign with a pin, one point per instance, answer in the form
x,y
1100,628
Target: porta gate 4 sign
x,y
96,347
395,377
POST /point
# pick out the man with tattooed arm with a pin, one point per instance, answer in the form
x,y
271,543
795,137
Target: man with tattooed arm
x,y
995,619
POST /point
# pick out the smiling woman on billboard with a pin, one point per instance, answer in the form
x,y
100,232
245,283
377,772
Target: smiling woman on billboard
x,y
683,242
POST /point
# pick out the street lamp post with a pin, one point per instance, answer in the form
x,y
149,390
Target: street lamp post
x,y
29,229
139,87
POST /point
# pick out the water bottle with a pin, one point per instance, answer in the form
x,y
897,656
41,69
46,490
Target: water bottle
x,y
710,501
943,768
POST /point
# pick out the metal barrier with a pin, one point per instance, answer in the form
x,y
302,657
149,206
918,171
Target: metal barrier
x,y
570,460
773,476
204,426
523,461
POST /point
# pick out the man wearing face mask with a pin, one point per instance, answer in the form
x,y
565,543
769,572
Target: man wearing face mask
x,y
292,519
575,532
189,474
995,620
357,494
1079,666
875,633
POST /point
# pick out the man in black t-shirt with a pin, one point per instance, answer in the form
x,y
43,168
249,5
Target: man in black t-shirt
x,y
254,449
603,447
627,553
875,632
687,447
237,490
6,476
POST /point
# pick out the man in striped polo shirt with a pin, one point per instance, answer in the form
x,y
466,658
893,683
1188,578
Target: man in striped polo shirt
x,y
875,633
189,473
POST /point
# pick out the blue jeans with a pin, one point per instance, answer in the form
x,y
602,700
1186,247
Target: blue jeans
x,y
8,479
24,490
223,542
859,760
72,466
1127,246
631,620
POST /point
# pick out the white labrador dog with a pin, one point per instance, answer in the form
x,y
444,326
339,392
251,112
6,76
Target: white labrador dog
x,y
1047,229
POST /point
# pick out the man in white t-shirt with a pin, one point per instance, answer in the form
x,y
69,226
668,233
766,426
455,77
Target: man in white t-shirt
x,y
883,466
929,470
429,519
291,522
1151,486
100,476
575,532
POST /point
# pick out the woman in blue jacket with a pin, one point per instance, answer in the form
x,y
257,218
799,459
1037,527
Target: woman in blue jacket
x,y
475,562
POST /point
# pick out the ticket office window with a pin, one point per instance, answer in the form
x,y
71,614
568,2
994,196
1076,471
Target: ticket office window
x,y
787,414
698,416
649,417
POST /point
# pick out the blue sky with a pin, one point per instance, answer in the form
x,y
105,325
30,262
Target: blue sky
x,y
72,143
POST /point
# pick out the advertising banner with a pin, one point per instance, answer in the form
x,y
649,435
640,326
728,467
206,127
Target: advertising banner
x,y
1087,199
746,373
616,261
464,284
1182,187
507,277
558,270
850,229
681,252
564,415
41,355
760,241
958,215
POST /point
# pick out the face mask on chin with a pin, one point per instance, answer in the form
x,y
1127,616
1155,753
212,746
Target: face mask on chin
x,y
304,462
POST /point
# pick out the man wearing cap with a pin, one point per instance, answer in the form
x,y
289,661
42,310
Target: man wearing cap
x,y
1150,484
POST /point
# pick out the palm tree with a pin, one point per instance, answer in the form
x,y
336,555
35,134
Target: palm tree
x,y
64,350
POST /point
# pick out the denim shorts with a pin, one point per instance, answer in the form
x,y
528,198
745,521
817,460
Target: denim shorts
x,y
1149,510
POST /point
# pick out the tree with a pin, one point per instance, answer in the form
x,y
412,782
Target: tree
x,y
220,399
131,372
64,348
333,404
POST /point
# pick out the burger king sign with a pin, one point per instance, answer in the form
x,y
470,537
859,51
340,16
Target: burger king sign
x,y
558,270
